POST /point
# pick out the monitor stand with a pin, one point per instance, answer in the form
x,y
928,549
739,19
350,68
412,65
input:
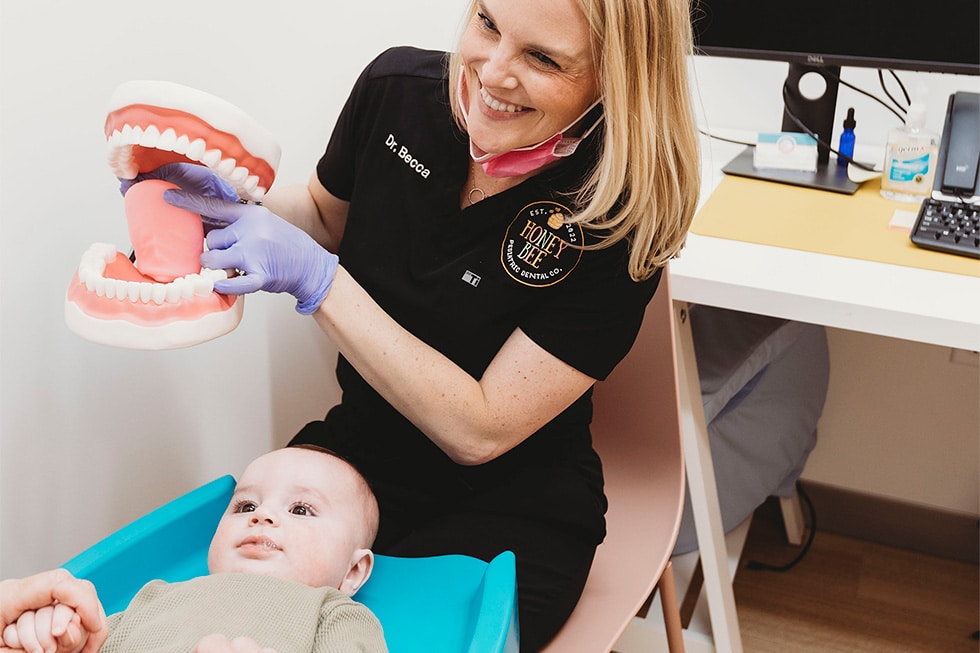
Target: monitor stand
x,y
828,176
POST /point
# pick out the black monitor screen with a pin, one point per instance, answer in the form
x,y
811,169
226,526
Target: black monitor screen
x,y
937,36
821,36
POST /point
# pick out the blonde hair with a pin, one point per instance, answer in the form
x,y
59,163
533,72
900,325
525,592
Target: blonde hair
x,y
646,185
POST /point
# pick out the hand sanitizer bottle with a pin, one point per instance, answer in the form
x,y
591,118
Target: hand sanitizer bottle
x,y
911,156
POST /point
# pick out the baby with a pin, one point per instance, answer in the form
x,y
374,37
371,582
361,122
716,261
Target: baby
x,y
289,552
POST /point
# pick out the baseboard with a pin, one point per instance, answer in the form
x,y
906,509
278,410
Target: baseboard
x,y
894,523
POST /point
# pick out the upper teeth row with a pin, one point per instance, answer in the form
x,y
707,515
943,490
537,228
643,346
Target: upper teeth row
x,y
123,164
91,272
496,105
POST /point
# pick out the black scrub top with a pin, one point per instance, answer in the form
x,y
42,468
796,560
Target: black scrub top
x,y
462,281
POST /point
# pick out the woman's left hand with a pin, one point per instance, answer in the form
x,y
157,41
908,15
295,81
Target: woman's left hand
x,y
274,255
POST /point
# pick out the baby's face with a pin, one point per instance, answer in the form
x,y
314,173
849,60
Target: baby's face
x,y
295,515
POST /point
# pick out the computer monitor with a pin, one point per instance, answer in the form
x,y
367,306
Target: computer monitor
x,y
821,36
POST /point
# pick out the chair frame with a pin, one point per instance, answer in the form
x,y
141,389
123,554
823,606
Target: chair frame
x,y
637,433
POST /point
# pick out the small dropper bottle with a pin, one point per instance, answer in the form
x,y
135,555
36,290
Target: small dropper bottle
x,y
846,147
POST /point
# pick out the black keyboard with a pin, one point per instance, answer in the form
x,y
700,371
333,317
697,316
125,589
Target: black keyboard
x,y
948,226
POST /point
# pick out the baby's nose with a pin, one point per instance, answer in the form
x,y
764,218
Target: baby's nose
x,y
262,517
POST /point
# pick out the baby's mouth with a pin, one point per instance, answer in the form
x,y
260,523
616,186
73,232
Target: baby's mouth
x,y
166,300
259,544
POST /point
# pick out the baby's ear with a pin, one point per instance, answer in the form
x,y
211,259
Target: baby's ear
x,y
362,563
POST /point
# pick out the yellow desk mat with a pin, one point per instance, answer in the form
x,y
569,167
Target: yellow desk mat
x,y
853,226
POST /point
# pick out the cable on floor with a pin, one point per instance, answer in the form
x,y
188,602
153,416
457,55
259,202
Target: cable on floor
x,y
763,566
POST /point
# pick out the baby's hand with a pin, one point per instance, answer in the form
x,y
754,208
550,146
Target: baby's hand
x,y
216,643
52,629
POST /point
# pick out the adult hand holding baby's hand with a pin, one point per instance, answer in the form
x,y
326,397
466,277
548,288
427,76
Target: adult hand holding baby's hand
x,y
20,596
51,629
217,643
274,255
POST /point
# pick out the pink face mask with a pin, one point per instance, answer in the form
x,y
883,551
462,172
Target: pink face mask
x,y
523,160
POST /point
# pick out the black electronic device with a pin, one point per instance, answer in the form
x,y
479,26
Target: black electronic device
x,y
820,36
949,221
959,149
948,226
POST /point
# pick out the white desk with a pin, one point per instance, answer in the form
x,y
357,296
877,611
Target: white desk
x,y
890,300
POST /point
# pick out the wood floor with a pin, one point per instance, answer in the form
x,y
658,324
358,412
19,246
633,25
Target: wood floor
x,y
852,595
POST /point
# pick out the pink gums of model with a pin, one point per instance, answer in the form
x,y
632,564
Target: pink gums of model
x,y
166,299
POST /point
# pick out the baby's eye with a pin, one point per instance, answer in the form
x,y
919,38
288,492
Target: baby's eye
x,y
302,509
244,506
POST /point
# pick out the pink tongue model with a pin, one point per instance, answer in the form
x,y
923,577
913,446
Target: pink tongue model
x,y
168,240
166,300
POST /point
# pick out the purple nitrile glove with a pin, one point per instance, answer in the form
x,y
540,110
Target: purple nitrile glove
x,y
274,255
193,178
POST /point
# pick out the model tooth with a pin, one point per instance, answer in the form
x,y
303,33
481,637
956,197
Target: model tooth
x,y
196,149
110,288
114,139
159,293
167,140
146,291
251,182
137,135
106,251
173,291
89,267
238,175
180,147
202,287
90,282
211,158
150,137
127,134
187,287
127,288
127,170
258,193
133,291
100,286
225,168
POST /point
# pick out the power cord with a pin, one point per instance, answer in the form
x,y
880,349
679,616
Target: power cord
x,y
722,138
763,566
871,95
905,93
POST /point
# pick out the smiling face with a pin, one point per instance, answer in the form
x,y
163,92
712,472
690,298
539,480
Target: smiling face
x,y
528,71
299,515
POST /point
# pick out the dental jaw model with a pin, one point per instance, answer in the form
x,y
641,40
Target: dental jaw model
x,y
166,300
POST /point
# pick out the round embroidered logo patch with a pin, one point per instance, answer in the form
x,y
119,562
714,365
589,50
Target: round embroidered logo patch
x,y
540,248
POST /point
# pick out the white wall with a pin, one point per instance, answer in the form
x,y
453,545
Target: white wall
x,y
91,436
